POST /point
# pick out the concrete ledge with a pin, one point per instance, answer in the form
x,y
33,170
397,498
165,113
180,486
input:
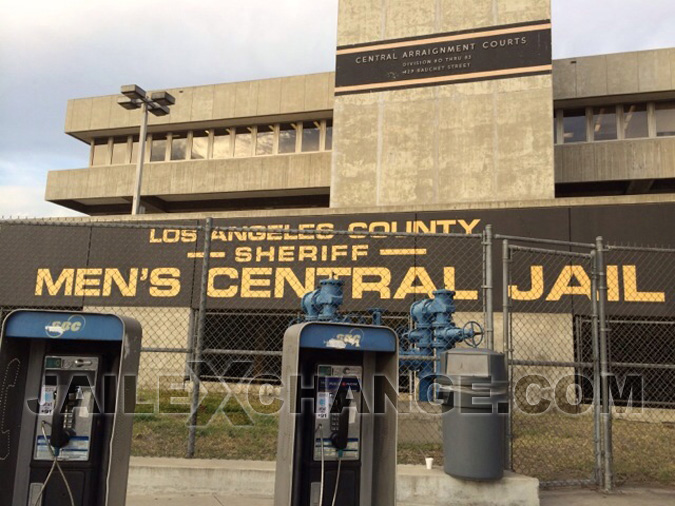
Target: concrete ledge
x,y
416,485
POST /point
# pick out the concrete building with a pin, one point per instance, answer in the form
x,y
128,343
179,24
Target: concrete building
x,y
590,127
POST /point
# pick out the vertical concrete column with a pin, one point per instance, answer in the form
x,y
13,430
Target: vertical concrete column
x,y
442,142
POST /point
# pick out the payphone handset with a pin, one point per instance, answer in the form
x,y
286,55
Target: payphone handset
x,y
337,424
67,404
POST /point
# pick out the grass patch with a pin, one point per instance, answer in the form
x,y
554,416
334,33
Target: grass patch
x,y
549,447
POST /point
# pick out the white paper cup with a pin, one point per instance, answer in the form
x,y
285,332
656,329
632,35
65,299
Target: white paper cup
x,y
429,461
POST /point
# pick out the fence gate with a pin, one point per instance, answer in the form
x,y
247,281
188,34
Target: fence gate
x,y
550,297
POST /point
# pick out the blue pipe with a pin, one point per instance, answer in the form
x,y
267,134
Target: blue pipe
x,y
434,332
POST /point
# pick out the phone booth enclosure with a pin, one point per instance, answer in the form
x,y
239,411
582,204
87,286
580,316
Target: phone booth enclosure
x,y
73,373
325,364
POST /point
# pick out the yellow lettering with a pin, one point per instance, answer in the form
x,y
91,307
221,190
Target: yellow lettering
x,y
449,281
356,226
286,253
286,275
85,286
248,282
165,282
308,253
630,289
613,283
337,251
381,285
359,250
446,225
563,284
325,226
408,287
243,254
189,236
65,280
127,289
219,235
261,252
468,227
153,237
536,286
217,272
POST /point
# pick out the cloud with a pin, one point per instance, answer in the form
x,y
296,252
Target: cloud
x,y
28,202
53,51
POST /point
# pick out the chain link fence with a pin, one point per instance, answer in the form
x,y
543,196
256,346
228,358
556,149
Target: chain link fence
x,y
554,430
640,329
587,329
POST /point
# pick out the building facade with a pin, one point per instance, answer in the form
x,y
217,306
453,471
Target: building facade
x,y
419,114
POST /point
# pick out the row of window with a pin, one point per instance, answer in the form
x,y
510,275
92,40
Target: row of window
x,y
614,122
233,142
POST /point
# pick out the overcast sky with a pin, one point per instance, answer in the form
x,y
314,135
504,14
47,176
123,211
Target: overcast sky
x,y
54,50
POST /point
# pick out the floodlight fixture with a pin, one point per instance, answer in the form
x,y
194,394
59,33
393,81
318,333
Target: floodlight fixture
x,y
163,98
129,103
158,109
133,91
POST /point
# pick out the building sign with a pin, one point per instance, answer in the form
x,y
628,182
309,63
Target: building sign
x,y
498,52
275,261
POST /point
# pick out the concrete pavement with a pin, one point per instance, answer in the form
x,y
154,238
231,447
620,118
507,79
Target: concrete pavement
x,y
562,497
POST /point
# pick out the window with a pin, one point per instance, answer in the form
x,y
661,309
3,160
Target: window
x,y
243,142
222,144
100,156
311,133
574,125
119,150
604,123
158,148
200,145
179,146
287,138
664,113
264,144
635,123
329,135
135,150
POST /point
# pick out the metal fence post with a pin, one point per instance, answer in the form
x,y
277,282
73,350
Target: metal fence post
x,y
606,415
506,325
199,341
488,286
597,432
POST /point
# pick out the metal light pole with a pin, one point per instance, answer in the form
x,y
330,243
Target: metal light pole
x,y
158,104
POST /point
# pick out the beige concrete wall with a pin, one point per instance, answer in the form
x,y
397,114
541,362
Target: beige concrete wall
x,y
614,74
261,173
615,160
162,328
211,103
483,141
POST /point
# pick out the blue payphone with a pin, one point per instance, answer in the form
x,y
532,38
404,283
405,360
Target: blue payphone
x,y
67,396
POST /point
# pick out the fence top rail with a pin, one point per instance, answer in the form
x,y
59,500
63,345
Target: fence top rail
x,y
646,249
99,224
532,240
550,252
356,233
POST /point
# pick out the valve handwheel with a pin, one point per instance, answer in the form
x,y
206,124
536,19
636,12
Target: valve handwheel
x,y
470,328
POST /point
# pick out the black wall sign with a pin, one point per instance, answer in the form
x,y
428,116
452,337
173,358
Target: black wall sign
x,y
48,266
491,53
